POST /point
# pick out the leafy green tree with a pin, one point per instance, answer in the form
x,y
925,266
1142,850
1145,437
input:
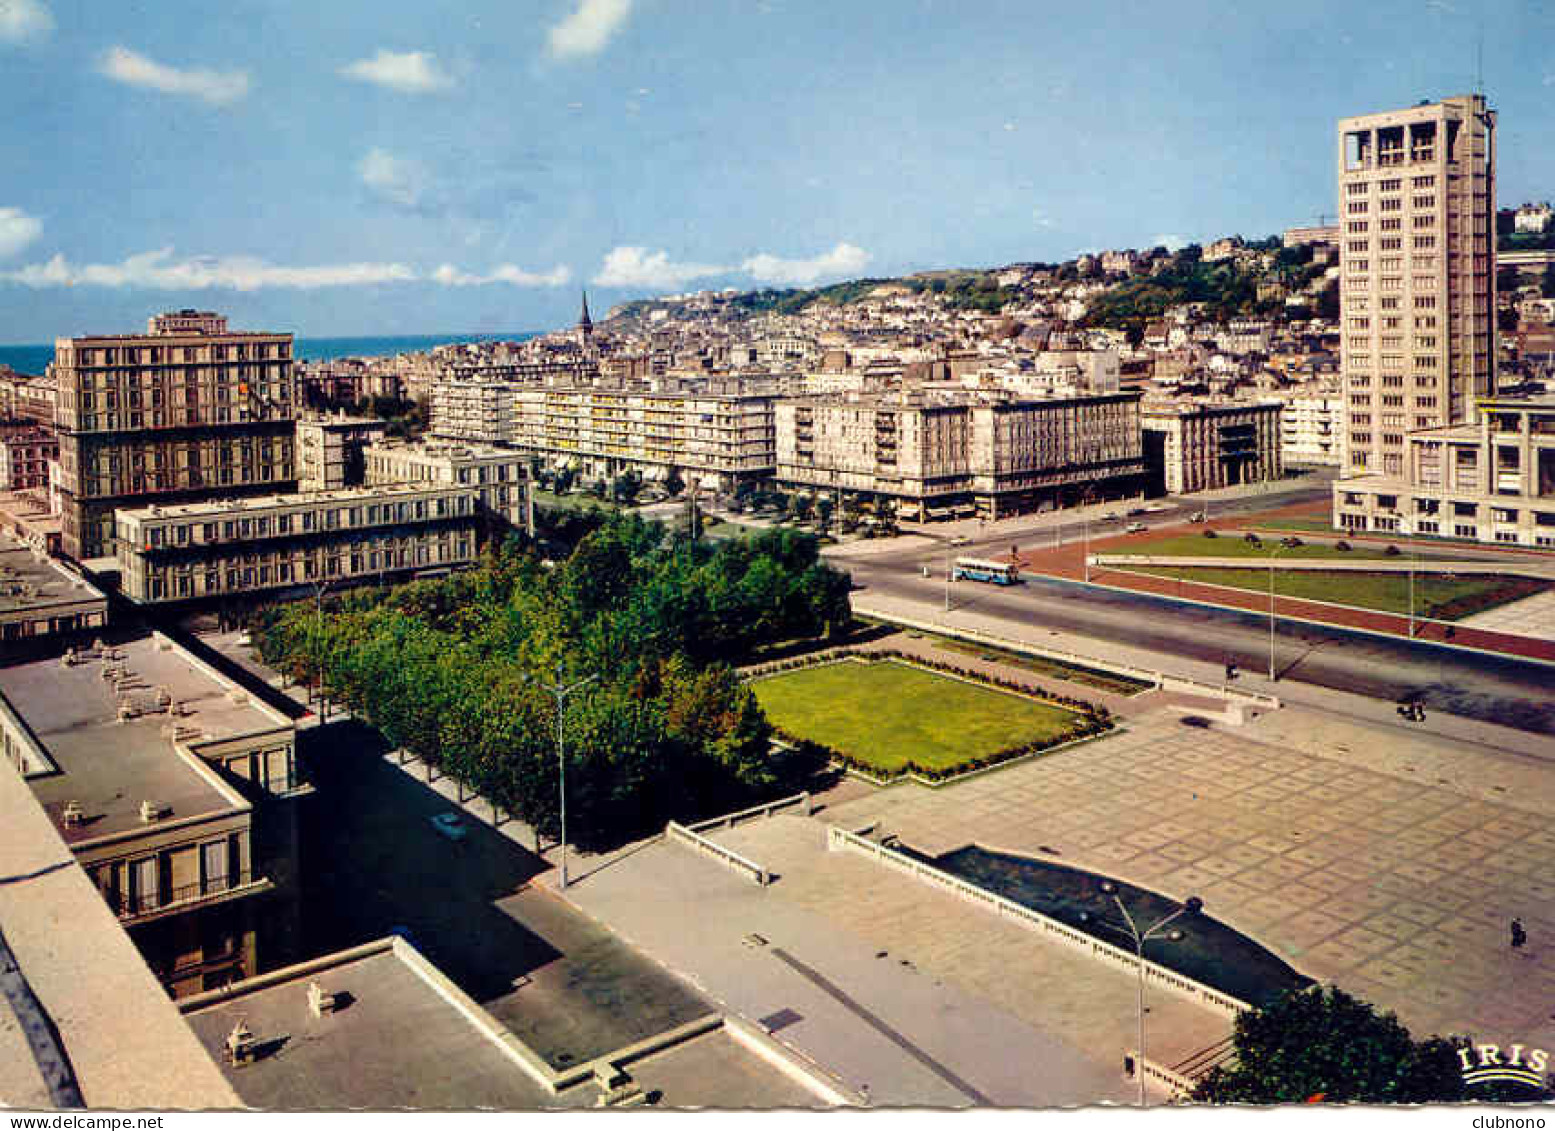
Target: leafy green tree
x,y
1547,285
1322,1043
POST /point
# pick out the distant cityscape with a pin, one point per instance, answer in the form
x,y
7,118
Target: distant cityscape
x,y
283,623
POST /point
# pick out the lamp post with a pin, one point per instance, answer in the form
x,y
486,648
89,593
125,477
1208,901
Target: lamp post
x,y
1192,906
560,690
1272,556
1087,497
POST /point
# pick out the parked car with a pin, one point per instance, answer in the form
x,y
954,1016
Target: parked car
x,y
1135,528
960,540
1111,516
1136,510
1198,516
449,825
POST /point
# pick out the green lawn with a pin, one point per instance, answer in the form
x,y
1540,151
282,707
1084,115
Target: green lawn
x,y
1041,665
1437,597
890,713
1236,546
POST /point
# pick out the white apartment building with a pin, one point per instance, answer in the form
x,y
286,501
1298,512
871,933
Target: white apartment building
x,y
1533,218
717,438
1311,427
499,476
1418,302
478,412
939,454
1492,480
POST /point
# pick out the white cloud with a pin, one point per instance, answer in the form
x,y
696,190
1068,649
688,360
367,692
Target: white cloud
x,y
410,72
21,20
216,87
844,259
158,270
1170,241
401,181
17,229
589,28
450,276
1041,218
639,267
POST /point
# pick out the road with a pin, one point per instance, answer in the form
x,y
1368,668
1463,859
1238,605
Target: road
x,y
1487,688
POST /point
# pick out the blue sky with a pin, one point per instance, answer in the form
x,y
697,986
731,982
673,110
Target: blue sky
x,y
346,167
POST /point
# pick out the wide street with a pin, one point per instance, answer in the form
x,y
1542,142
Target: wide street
x,y
1095,620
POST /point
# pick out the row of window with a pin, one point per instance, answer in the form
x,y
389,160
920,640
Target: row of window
x,y
163,583
333,518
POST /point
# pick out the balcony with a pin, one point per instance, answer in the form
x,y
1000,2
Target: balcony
x,y
140,908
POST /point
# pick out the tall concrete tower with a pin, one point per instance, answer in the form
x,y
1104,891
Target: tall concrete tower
x,y
1417,211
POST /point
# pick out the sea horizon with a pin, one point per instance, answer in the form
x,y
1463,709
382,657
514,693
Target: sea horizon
x,y
34,358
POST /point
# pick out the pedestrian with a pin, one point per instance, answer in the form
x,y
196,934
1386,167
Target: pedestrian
x,y
1519,936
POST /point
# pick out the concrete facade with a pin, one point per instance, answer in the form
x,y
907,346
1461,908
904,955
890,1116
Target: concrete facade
x,y
173,791
39,597
1312,428
1201,447
25,455
500,476
187,411
941,454
238,546
1491,481
1418,301
330,450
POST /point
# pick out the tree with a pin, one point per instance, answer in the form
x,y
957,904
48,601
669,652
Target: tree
x,y
1320,1041
1547,286
673,483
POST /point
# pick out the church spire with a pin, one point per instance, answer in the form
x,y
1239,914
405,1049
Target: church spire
x,y
585,323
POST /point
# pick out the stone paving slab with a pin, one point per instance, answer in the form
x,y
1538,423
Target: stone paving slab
x,y
1390,867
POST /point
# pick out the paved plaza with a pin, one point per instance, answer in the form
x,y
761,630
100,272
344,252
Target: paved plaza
x,y
1391,868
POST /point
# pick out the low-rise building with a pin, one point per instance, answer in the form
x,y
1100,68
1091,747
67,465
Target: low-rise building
x,y
1200,446
939,454
1492,480
39,597
330,450
174,791
232,547
500,476
25,455
1316,234
1533,218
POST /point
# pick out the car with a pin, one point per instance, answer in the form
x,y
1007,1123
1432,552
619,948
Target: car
x,y
1136,511
1111,516
960,540
1135,528
1198,516
449,825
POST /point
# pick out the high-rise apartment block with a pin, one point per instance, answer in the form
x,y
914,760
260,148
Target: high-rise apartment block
x,y
187,411
1417,212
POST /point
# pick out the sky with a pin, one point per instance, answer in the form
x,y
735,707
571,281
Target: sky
x,y
339,167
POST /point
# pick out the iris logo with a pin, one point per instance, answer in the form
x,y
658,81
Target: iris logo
x,y
1519,1065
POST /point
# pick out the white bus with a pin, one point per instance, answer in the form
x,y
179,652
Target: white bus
x,y
979,569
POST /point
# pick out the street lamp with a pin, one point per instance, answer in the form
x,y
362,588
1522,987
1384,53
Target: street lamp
x,y
560,690
1192,907
1272,556
1087,497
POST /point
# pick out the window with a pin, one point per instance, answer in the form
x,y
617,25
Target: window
x,y
214,860
1423,220
1393,224
1355,227
146,884
1393,184
1357,246
1356,208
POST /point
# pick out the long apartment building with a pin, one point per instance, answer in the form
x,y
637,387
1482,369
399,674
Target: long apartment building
x,y
189,410
232,547
478,412
938,455
1492,480
1312,427
1417,205
175,792
499,476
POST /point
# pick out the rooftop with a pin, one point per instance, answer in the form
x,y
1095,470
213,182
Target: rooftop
x,y
276,502
136,1052
29,582
110,766
406,1039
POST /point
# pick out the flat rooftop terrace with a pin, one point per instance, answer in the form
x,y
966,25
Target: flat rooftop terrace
x,y
401,1041
109,765
29,583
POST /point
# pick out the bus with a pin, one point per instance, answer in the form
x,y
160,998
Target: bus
x,y
977,569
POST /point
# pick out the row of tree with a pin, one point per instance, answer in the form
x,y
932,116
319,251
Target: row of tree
x,y
452,670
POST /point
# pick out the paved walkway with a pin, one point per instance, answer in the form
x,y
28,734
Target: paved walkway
x,y
894,985
1381,866
1532,616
